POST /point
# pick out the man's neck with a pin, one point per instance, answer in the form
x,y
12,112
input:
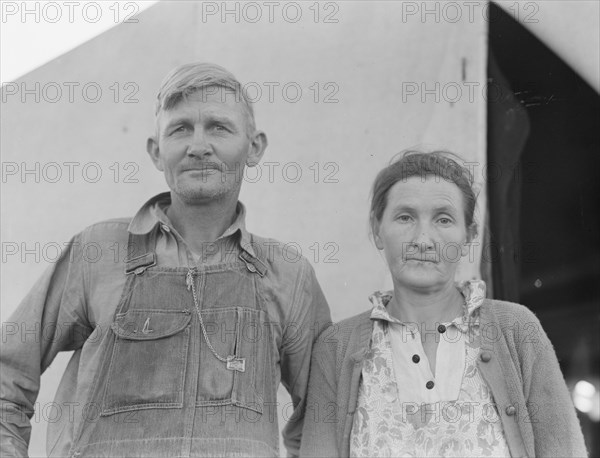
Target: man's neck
x,y
202,222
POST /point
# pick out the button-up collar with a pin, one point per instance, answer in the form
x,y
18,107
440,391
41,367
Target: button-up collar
x,y
153,213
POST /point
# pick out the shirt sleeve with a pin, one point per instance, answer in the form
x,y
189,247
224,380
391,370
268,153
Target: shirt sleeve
x,y
50,319
309,316
321,414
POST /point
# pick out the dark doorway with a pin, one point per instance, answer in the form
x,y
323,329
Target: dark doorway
x,y
544,145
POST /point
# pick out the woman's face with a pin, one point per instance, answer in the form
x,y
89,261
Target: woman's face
x,y
423,232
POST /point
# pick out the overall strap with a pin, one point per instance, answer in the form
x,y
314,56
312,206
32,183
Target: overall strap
x,y
253,261
140,252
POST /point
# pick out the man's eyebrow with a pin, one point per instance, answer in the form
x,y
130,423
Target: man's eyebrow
x,y
178,120
213,117
210,117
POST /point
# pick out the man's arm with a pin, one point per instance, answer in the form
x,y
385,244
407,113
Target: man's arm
x,y
308,317
50,319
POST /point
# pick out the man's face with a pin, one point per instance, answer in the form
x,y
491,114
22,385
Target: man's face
x,y
423,233
203,145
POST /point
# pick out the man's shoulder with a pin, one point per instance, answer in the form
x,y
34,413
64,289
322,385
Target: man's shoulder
x,y
107,231
283,257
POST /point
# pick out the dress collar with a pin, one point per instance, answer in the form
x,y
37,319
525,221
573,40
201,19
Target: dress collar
x,y
473,292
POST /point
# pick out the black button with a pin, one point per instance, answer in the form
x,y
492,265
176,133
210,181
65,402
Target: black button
x,y
429,385
486,356
441,328
416,358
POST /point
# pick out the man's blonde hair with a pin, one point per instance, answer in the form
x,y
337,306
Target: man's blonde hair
x,y
189,78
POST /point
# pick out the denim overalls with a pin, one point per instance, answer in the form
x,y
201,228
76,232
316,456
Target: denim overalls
x,y
161,391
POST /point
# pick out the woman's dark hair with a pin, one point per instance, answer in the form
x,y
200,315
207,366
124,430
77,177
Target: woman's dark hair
x,y
416,163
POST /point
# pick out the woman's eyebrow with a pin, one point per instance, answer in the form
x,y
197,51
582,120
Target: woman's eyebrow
x,y
445,209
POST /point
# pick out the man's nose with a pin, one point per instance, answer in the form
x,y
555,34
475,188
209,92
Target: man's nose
x,y
199,146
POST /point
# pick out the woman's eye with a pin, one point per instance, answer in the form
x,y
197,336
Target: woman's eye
x,y
445,220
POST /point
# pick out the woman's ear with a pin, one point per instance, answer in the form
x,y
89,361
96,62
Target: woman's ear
x,y
375,230
471,234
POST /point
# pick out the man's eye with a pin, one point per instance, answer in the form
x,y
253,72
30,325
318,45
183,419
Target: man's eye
x,y
220,128
445,221
404,218
179,129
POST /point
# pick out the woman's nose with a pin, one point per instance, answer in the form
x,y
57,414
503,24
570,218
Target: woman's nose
x,y
424,237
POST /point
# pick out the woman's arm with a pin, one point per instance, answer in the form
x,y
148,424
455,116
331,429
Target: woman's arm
x,y
552,415
319,433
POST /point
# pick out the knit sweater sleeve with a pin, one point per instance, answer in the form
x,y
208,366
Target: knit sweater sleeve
x,y
555,425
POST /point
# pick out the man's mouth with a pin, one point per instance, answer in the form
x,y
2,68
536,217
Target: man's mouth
x,y
208,166
430,260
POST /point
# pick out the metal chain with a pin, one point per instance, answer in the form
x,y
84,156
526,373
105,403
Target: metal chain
x,y
191,285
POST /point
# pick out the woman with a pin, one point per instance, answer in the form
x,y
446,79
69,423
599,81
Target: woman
x,y
435,368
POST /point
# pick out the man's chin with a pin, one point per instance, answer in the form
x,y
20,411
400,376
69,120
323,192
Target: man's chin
x,y
200,194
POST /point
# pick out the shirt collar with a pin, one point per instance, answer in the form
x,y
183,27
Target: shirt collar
x,y
153,212
472,290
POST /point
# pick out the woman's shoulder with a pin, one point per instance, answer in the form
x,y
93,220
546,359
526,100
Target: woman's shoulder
x,y
355,321
343,330
508,312
516,322
345,336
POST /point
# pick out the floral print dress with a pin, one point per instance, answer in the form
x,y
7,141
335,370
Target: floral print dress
x,y
401,413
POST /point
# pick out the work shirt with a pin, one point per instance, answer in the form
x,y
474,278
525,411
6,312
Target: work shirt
x,y
145,378
405,410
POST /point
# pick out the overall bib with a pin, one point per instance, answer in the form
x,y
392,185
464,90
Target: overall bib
x,y
161,389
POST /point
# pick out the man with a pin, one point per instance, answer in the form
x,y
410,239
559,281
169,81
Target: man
x,y
180,345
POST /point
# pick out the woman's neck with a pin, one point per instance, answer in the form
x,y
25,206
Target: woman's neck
x,y
427,308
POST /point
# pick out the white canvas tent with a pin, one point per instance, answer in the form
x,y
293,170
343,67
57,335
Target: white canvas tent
x,y
337,99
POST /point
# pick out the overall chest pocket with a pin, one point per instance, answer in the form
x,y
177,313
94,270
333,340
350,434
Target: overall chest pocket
x,y
148,360
242,333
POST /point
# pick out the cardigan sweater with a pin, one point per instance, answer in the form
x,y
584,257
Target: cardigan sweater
x,y
516,360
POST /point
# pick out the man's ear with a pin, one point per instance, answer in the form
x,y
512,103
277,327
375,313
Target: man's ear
x,y
154,153
258,145
375,232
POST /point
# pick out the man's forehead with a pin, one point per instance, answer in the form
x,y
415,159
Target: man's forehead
x,y
213,93
204,101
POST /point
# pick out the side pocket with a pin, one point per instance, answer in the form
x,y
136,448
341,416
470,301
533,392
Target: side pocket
x,y
148,362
